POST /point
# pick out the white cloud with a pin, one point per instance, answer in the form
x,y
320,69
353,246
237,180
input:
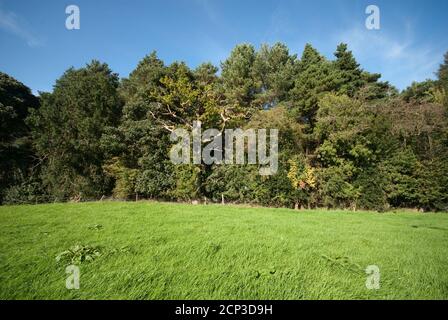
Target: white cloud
x,y
400,59
12,23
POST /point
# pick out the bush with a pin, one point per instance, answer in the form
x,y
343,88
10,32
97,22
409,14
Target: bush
x,y
27,192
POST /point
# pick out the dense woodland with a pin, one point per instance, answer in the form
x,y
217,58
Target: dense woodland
x,y
347,139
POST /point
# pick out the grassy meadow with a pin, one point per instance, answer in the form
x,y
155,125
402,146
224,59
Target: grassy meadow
x,y
147,250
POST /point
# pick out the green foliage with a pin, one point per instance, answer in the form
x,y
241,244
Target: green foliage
x,y
372,185
188,182
337,189
354,142
316,76
79,254
442,82
243,184
346,139
421,91
291,136
401,170
16,154
350,75
350,131
237,79
68,127
125,178
274,70
237,183
433,185
442,73
26,190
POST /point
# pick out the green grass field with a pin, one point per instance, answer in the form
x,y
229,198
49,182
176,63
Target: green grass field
x,y
174,251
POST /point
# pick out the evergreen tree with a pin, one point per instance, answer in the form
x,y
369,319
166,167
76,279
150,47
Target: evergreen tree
x,y
274,72
138,147
442,75
16,153
349,80
68,127
238,84
315,77
355,82
421,92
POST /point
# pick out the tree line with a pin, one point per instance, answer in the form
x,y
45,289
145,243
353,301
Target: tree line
x,y
346,139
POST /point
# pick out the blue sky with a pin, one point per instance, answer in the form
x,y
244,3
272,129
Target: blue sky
x,y
36,48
